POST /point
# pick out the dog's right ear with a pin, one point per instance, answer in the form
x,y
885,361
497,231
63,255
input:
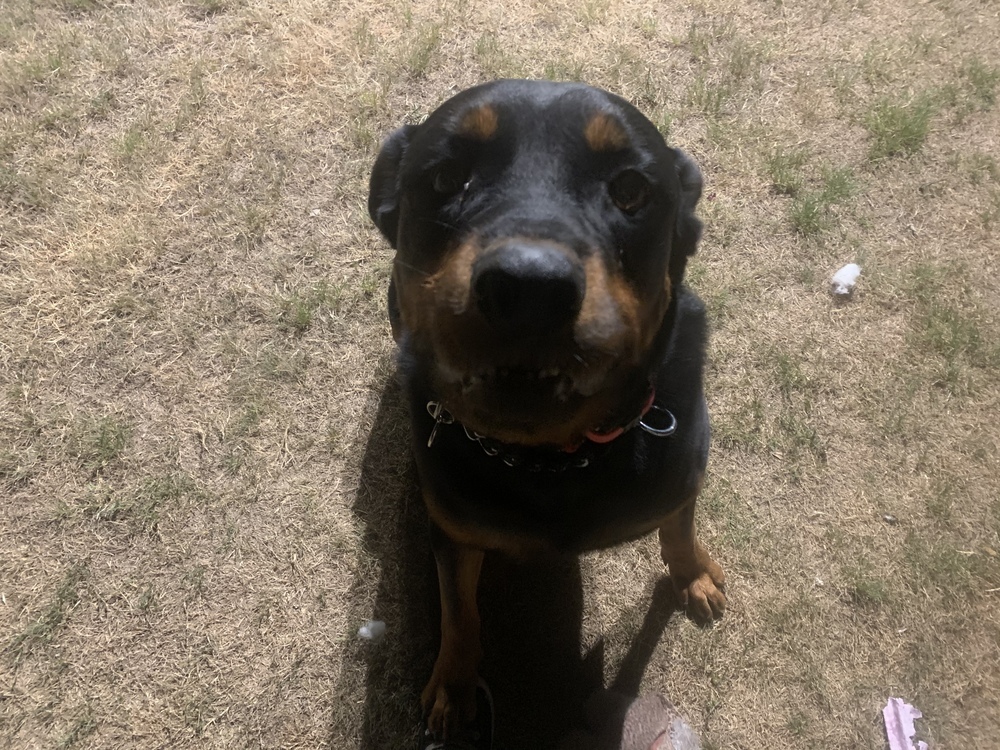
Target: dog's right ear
x,y
383,189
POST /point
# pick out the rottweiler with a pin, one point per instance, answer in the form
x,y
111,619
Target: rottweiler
x,y
549,350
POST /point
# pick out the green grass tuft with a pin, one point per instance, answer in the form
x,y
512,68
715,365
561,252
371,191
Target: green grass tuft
x,y
206,8
297,312
563,69
807,214
982,80
51,620
899,128
97,442
989,215
744,428
15,467
37,71
592,12
253,227
82,727
811,210
194,580
494,58
138,511
708,96
865,589
784,167
838,184
421,50
949,332
77,6
938,564
24,190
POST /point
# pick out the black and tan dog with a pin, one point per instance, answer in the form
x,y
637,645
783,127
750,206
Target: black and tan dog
x,y
551,355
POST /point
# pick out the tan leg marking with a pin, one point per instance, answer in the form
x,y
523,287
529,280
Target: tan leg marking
x,y
697,579
449,700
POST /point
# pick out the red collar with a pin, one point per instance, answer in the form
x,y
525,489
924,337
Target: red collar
x,y
602,436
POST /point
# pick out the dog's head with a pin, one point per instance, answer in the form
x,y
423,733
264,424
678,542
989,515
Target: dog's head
x,y
540,231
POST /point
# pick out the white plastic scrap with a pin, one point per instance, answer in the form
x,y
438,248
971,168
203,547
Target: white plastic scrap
x,y
899,717
844,280
373,630
682,736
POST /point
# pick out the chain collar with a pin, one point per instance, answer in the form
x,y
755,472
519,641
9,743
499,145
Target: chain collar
x,y
654,419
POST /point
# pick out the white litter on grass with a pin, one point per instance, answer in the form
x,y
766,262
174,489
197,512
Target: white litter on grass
x,y
844,280
899,717
682,736
373,630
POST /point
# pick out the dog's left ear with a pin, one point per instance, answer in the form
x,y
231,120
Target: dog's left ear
x,y
688,225
383,188
687,233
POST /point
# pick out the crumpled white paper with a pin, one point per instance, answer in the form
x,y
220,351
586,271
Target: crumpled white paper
x,y
842,283
373,630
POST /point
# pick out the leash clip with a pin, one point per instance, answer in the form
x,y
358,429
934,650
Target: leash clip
x,y
440,415
667,431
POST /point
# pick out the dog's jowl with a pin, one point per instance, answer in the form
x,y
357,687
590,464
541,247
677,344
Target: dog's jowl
x,y
551,353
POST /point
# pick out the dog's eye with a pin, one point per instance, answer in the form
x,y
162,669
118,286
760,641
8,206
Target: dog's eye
x,y
450,179
630,191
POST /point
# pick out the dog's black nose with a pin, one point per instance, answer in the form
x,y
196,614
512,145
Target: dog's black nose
x,y
526,288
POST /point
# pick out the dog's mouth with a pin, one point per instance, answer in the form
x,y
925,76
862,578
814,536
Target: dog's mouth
x,y
550,403
554,382
557,383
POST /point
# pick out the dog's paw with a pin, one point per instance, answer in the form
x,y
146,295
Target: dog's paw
x,y
449,700
701,594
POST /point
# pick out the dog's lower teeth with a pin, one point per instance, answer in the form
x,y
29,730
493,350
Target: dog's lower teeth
x,y
564,384
563,389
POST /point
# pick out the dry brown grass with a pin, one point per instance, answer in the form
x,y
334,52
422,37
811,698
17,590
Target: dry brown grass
x,y
205,490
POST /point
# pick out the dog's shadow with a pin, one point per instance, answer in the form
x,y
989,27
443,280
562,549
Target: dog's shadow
x,y
531,615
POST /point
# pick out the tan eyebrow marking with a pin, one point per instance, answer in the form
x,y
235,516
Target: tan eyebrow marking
x,y
479,123
604,133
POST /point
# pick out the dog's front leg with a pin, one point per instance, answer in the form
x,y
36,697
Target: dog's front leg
x,y
697,579
449,700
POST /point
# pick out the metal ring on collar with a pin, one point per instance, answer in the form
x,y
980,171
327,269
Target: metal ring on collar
x,y
438,413
670,419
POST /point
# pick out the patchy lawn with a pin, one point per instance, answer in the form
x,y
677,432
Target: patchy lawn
x,y
203,469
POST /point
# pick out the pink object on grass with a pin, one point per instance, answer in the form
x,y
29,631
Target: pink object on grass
x,y
899,717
